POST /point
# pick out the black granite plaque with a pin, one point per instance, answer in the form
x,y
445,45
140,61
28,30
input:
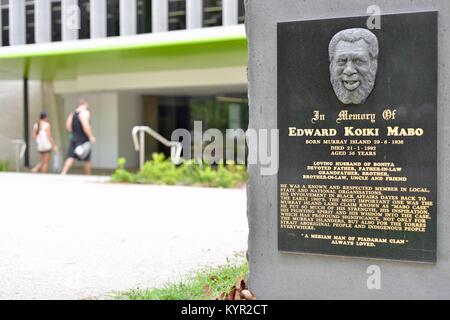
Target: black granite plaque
x,y
357,114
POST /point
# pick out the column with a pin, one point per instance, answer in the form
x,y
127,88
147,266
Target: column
x,y
160,15
17,22
194,14
128,17
98,19
42,21
70,23
230,12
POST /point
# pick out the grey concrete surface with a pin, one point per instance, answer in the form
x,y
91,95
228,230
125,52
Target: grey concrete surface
x,y
275,275
77,238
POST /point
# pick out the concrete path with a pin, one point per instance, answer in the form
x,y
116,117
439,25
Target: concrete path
x,y
78,237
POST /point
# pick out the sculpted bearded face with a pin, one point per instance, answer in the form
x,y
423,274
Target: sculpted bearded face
x,y
353,64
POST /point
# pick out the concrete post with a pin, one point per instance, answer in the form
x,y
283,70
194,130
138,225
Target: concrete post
x,y
17,22
160,15
43,30
98,19
70,23
277,275
128,23
194,14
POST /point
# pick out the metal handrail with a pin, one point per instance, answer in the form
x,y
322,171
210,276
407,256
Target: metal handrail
x,y
20,147
139,144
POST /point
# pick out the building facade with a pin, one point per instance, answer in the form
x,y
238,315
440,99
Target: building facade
x,y
161,63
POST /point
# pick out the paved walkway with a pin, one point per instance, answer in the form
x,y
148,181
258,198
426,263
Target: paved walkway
x,y
55,244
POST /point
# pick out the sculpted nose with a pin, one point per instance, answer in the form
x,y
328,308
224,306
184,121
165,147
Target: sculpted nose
x,y
349,69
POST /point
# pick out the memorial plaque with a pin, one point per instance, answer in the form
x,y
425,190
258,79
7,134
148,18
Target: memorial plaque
x,y
357,114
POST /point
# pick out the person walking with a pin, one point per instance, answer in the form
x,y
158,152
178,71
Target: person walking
x,y
42,135
79,125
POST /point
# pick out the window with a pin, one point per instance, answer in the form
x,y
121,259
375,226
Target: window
x,y
212,13
85,19
144,16
113,18
56,20
29,21
241,13
177,14
5,22
225,111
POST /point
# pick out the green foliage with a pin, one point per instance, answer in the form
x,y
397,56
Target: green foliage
x,y
3,166
161,170
206,284
121,174
158,171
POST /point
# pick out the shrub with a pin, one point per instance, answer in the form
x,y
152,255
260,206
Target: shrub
x,y
3,166
158,171
161,170
121,174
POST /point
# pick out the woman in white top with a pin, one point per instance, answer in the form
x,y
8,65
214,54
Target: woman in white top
x,y
42,134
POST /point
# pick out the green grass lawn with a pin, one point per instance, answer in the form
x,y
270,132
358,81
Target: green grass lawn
x,y
205,284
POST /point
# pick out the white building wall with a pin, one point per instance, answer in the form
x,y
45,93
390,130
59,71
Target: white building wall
x,y
71,18
114,112
194,14
98,19
11,119
130,115
105,124
181,81
230,12
128,20
17,22
160,16
70,14
43,30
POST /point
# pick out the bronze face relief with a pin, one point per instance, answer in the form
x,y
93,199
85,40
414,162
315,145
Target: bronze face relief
x,y
353,64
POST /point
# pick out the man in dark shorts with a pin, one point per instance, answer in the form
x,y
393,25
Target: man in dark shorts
x,y
79,125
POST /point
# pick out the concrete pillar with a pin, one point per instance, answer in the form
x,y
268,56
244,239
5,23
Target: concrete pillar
x,y
70,23
17,22
98,19
230,12
128,23
43,29
160,15
278,275
194,14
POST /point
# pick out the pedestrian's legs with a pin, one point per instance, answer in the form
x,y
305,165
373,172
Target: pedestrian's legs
x,y
45,159
88,168
38,167
67,165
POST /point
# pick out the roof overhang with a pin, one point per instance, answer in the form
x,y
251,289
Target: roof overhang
x,y
175,50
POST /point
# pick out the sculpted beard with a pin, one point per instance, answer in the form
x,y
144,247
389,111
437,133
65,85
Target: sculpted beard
x,y
359,95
